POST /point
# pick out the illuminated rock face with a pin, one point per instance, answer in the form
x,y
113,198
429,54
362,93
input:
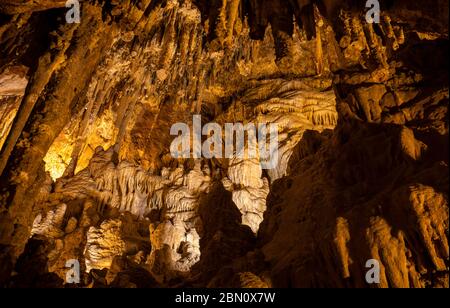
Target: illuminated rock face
x,y
13,82
362,115
103,244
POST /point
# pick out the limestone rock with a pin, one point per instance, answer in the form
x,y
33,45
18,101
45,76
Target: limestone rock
x,y
103,244
361,112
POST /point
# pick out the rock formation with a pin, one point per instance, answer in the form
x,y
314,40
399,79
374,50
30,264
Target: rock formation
x,y
87,174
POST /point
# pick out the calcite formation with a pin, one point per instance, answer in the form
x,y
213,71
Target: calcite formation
x,y
87,173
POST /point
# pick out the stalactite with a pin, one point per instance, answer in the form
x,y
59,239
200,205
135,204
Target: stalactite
x,y
361,112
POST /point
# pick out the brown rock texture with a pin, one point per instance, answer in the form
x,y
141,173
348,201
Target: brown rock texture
x,y
87,174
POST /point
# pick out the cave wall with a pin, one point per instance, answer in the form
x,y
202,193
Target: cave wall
x,y
362,110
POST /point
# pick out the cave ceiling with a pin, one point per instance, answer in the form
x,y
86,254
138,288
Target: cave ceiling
x,y
88,175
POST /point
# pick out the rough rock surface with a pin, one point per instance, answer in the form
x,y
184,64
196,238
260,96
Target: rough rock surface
x,y
86,171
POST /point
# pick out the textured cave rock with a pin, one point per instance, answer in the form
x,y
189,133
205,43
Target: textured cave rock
x,y
86,170
22,6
